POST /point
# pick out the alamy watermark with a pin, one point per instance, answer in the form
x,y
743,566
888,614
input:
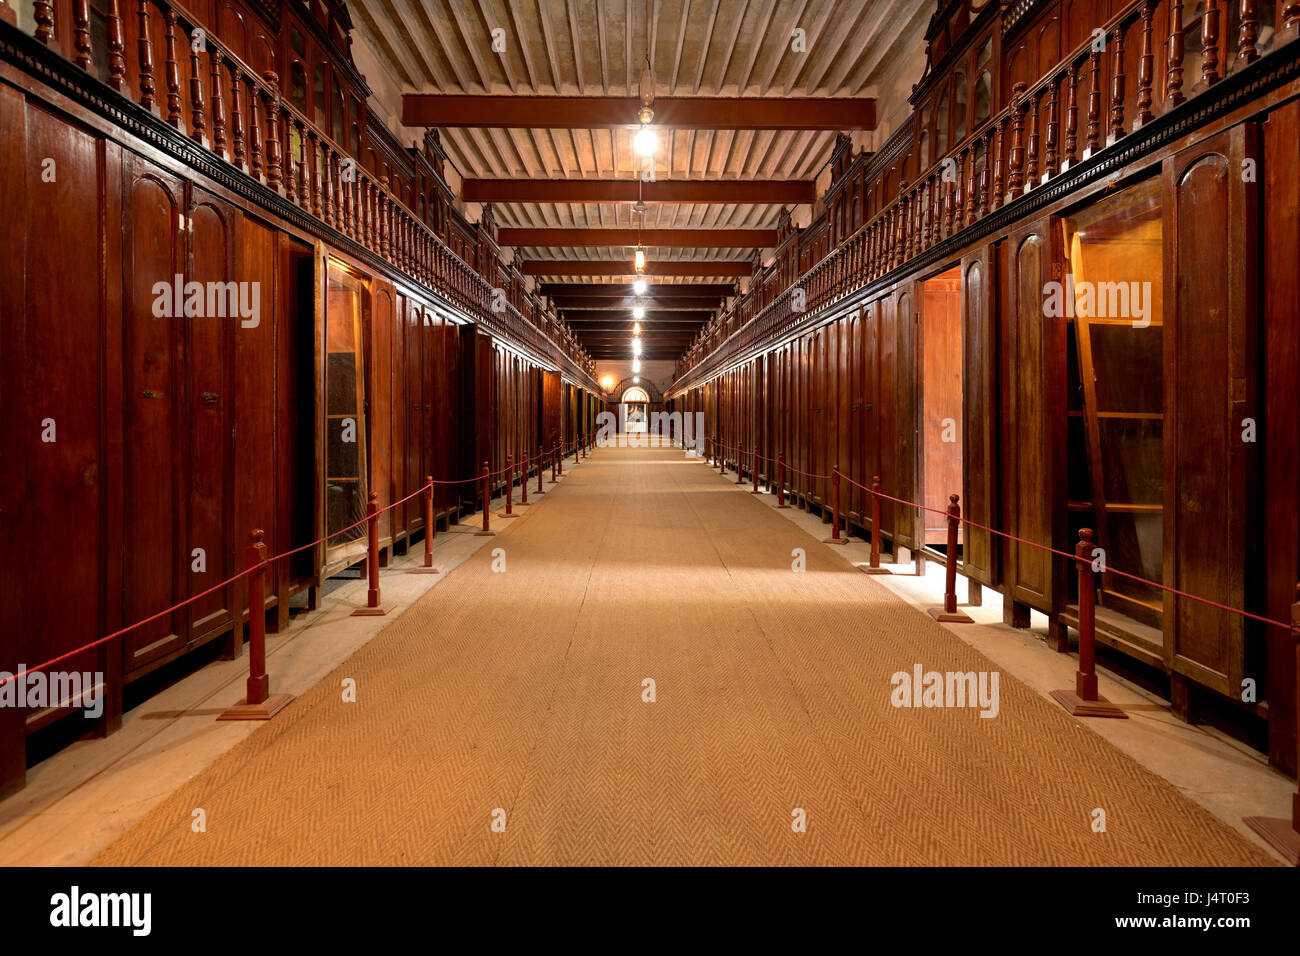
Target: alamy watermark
x,y
37,689
684,430
211,300
946,689
1099,300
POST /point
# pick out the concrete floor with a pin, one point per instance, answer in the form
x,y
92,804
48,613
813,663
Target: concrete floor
x,y
84,797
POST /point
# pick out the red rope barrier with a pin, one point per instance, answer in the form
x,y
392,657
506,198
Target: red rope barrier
x,y
233,578
1071,556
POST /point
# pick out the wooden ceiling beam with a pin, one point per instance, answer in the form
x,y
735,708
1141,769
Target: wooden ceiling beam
x,y
654,317
836,114
655,290
604,267
681,238
770,191
626,303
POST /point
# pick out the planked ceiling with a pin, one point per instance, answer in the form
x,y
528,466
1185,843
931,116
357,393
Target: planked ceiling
x,y
716,48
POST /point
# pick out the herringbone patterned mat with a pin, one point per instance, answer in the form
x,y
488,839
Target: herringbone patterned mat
x,y
516,696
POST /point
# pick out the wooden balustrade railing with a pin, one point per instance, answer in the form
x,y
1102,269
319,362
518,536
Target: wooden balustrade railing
x,y
221,103
1017,150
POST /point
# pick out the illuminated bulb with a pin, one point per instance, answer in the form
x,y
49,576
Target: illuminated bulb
x,y
640,264
636,365
636,346
636,379
645,142
639,286
636,328
638,312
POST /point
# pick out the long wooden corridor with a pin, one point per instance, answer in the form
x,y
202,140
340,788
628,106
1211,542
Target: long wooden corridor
x,y
504,719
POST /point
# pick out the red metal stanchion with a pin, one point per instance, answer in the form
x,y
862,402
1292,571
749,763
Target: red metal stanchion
x,y
429,531
372,608
487,504
780,481
874,567
949,613
1283,834
541,466
1083,700
835,513
510,487
576,445
258,703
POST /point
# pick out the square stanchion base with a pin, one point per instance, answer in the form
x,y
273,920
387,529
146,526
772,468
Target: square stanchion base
x,y
835,540
949,617
1280,834
1076,706
263,711
502,514
436,569
868,569
370,612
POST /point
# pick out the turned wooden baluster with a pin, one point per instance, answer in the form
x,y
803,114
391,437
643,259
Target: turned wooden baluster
x,y
949,186
254,131
986,174
271,99
288,157
970,185
197,123
1249,32
330,190
385,220
43,14
304,167
1071,117
1016,178
116,46
1094,104
145,47
1291,20
1117,90
999,195
928,222
372,207
1031,156
172,71
1174,81
1146,69
958,195
81,32
1210,43
1051,155
315,174
347,178
218,106
236,115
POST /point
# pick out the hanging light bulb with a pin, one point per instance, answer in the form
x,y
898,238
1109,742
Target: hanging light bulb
x,y
636,328
636,347
639,286
636,365
640,265
645,142
638,313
